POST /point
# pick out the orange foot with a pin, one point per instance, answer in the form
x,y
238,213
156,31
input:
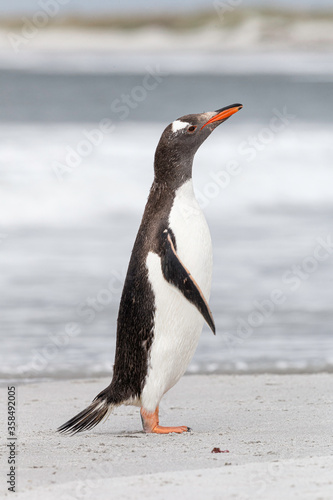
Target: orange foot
x,y
150,424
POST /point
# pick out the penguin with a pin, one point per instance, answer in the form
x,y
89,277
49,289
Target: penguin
x,y
164,302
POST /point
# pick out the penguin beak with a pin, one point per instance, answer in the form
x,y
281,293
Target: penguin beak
x,y
223,114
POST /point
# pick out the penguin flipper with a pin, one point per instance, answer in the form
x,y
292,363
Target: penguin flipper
x,y
178,275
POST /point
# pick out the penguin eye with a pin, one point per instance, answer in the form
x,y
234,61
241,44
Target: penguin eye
x,y
192,128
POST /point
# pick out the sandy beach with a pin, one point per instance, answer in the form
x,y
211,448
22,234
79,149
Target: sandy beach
x,y
274,433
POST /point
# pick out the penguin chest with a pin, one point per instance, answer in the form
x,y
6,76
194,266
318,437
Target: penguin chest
x,y
177,322
193,240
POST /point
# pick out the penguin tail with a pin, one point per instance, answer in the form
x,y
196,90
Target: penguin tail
x,y
98,410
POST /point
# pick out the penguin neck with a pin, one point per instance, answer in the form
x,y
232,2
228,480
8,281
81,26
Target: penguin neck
x,y
172,170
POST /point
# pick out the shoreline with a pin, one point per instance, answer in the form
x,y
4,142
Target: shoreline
x,y
274,432
12,379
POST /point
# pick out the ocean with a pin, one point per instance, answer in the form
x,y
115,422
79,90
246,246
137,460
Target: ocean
x,y
77,141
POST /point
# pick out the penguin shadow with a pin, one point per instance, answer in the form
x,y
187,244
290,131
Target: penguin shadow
x,y
130,435
139,434
123,434
122,431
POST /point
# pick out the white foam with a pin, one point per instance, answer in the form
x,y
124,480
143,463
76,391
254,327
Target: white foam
x,y
256,32
293,169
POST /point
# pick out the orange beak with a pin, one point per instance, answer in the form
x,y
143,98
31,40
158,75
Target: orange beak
x,y
224,113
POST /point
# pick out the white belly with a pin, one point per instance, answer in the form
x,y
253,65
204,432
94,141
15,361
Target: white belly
x,y
178,323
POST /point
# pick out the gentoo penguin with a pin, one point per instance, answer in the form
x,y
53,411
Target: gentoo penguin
x,y
165,297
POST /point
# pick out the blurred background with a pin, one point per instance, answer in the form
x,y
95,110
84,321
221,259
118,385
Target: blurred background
x,y
86,89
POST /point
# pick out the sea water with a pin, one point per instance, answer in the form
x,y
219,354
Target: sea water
x,y
75,176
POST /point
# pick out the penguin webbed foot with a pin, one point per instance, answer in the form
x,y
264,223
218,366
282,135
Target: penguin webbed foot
x,y
159,429
150,424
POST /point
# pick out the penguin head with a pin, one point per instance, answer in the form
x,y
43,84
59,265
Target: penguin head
x,y
182,138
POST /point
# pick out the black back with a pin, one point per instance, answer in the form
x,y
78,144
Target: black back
x,y
135,325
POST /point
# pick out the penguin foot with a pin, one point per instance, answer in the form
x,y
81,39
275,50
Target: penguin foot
x,y
150,424
159,429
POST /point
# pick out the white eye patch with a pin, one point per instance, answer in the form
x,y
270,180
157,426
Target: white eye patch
x,y
178,125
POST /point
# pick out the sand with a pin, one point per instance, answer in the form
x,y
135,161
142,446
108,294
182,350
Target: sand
x,y
274,431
